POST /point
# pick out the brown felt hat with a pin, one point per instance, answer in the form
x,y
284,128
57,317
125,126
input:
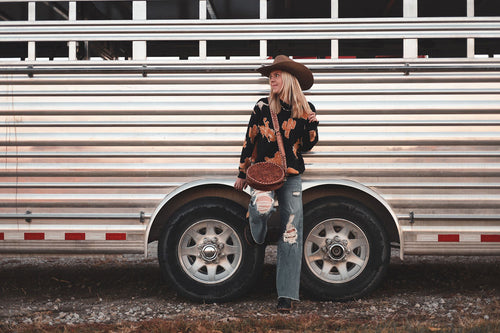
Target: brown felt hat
x,y
301,72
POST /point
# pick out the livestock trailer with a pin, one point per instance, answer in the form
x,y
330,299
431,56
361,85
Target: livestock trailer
x,y
122,124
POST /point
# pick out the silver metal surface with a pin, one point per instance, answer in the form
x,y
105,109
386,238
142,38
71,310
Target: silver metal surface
x,y
124,151
86,146
75,216
270,29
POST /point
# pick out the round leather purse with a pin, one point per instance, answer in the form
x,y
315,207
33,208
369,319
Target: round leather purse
x,y
265,176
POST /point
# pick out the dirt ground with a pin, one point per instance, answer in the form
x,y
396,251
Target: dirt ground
x,y
445,291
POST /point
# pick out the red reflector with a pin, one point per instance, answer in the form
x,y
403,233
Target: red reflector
x,y
74,236
448,238
2,237
490,238
34,236
116,236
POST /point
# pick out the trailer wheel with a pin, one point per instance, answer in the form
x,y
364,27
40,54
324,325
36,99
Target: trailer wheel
x,y
346,250
203,253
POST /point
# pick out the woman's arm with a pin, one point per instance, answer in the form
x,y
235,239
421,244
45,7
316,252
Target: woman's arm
x,y
310,137
249,145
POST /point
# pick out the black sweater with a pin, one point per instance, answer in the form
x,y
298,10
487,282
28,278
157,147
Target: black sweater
x,y
299,135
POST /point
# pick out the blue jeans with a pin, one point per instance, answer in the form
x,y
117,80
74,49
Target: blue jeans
x,y
262,205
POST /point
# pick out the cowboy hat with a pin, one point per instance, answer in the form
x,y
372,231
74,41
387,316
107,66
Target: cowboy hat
x,y
282,62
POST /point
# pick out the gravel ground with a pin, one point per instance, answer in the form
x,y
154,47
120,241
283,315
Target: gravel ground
x,y
67,290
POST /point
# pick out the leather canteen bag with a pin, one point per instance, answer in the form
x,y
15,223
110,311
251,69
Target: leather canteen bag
x,y
265,176
269,176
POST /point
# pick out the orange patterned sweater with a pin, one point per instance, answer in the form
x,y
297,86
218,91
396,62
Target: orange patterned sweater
x,y
299,135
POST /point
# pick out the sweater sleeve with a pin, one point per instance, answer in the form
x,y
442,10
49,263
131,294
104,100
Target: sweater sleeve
x,y
310,137
250,143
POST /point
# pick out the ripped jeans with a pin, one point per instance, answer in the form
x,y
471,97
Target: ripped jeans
x,y
290,242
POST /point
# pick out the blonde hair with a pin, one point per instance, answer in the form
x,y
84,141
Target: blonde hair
x,y
292,94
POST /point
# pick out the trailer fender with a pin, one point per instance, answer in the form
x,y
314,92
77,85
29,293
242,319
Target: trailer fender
x,y
189,191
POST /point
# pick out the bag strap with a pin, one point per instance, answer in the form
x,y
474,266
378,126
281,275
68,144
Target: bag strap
x,y
279,139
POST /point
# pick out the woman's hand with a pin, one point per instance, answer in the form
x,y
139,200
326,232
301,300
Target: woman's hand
x,y
240,184
312,117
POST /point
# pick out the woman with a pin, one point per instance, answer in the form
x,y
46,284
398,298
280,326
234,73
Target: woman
x,y
299,130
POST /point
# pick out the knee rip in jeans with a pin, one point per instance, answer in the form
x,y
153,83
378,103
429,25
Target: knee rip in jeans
x,y
263,202
290,234
296,194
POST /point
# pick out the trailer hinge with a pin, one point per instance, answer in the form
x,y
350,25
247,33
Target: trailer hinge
x,y
407,71
27,219
412,217
142,217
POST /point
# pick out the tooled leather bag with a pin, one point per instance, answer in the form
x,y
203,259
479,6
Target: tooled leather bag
x,y
269,176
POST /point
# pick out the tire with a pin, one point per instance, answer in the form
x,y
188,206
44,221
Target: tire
x,y
346,250
203,254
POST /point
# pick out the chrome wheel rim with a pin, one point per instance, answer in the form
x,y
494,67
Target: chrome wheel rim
x,y
210,251
336,250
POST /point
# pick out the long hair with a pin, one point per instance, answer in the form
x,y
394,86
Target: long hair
x,y
292,94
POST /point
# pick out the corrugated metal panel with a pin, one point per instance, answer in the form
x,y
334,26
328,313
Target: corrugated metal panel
x,y
404,131
376,28
98,138
425,142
